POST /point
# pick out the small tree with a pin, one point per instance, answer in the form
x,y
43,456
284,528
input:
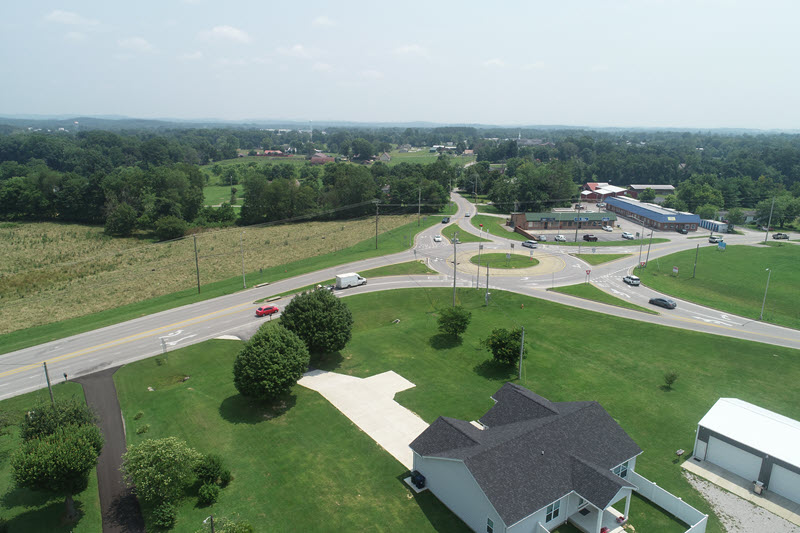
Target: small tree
x,y
707,212
170,227
736,216
670,378
322,320
647,195
454,320
504,345
270,363
121,220
45,419
160,468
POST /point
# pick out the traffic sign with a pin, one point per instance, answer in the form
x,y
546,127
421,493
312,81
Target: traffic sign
x,y
721,245
588,272
508,256
642,264
675,270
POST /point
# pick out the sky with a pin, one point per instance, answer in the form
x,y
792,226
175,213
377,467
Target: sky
x,y
610,63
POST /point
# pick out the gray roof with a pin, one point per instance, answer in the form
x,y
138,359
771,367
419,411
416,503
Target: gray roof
x,y
534,451
568,216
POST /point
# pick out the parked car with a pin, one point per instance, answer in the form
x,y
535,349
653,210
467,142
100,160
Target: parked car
x,y
446,220
560,238
437,238
266,310
608,228
530,244
715,238
780,236
600,204
627,235
631,280
589,237
682,231
541,238
666,303
579,207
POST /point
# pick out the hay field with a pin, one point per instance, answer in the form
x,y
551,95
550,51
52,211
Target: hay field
x,y
51,272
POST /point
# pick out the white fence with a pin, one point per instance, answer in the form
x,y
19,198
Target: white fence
x,y
670,503
540,528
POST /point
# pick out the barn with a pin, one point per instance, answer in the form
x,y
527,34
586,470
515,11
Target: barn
x,y
753,443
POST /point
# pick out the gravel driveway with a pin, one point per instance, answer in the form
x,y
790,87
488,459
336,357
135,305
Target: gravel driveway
x,y
738,515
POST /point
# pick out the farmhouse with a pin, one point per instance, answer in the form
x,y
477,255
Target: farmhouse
x,y
598,192
758,445
560,220
652,215
385,157
660,190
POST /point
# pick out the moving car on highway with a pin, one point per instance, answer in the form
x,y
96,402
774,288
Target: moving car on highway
x,y
530,244
437,238
266,310
666,303
631,280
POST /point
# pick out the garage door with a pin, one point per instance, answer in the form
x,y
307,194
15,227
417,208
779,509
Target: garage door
x,y
785,482
733,459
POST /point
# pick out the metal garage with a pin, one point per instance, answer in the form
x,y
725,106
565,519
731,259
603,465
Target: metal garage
x,y
753,443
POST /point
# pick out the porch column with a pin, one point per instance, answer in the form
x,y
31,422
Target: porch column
x,y
599,520
628,503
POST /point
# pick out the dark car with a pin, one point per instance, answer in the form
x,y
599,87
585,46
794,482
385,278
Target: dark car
x,y
780,236
266,310
666,303
445,220
589,237
682,231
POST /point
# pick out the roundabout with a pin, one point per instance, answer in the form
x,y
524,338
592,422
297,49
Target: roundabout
x,y
543,263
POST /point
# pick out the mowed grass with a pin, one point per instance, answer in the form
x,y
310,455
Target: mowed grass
x,y
590,292
217,194
497,227
300,467
424,157
84,307
280,457
500,261
26,510
734,280
599,259
449,232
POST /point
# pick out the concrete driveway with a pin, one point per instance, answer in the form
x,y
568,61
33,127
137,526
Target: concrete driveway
x,y
370,404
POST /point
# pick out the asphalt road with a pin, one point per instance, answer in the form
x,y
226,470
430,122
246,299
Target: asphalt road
x,y
234,314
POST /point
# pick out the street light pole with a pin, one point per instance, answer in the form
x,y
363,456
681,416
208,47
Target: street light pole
x,y
647,259
455,238
241,244
769,273
766,233
641,243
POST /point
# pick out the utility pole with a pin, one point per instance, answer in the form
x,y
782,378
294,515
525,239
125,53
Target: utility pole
x,y
241,244
196,264
50,388
647,259
478,282
376,225
521,349
696,252
419,205
641,243
760,317
455,236
486,298
769,222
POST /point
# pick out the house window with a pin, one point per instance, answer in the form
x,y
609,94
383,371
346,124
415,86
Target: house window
x,y
622,470
489,526
581,502
552,511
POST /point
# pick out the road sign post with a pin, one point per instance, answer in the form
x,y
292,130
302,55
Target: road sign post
x,y
675,271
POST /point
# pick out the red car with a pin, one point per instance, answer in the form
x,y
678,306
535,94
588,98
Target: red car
x,y
266,310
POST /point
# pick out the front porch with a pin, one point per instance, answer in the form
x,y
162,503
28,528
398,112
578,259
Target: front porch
x,y
587,520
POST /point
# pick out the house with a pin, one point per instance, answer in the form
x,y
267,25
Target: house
x,y
385,157
599,191
752,442
469,152
569,220
321,159
274,153
652,215
660,190
528,464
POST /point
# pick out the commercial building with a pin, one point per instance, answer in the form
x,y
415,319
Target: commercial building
x,y
660,190
652,215
565,220
598,192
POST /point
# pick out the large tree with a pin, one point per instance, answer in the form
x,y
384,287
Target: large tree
x,y
161,469
454,320
320,319
504,345
270,363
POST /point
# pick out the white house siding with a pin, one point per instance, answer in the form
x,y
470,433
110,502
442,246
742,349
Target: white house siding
x,y
733,459
528,524
785,482
451,482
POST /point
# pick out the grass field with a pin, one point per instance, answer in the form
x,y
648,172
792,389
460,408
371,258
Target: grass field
x,y
95,301
500,261
26,510
424,157
309,448
463,236
490,209
588,291
734,280
217,194
496,226
599,259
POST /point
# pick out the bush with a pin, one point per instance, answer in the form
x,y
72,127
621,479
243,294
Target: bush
x,y
143,429
121,220
164,515
322,320
170,227
208,494
270,363
161,469
209,468
138,415
454,320
504,345
44,419
670,378
225,478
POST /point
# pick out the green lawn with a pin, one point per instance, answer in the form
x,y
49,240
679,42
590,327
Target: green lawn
x,y
621,242
499,261
217,194
424,157
463,236
490,209
734,280
26,510
496,226
389,242
278,458
598,259
590,292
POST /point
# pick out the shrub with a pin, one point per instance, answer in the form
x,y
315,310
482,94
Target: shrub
x,y
670,378
143,429
322,320
161,469
270,363
209,468
454,320
164,515
208,494
225,478
121,220
504,345
138,415
170,227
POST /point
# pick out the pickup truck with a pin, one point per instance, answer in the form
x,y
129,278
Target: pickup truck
x,y
589,237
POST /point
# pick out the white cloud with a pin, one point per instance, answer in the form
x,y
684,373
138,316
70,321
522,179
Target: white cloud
x,y
599,68
321,67
228,62
68,17
494,62
136,44
534,66
297,50
227,33
371,74
75,36
191,56
262,60
411,50
322,21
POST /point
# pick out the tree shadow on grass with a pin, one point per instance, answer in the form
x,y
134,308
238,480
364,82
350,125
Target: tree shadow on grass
x,y
238,409
491,369
666,388
326,361
443,341
440,517
50,517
